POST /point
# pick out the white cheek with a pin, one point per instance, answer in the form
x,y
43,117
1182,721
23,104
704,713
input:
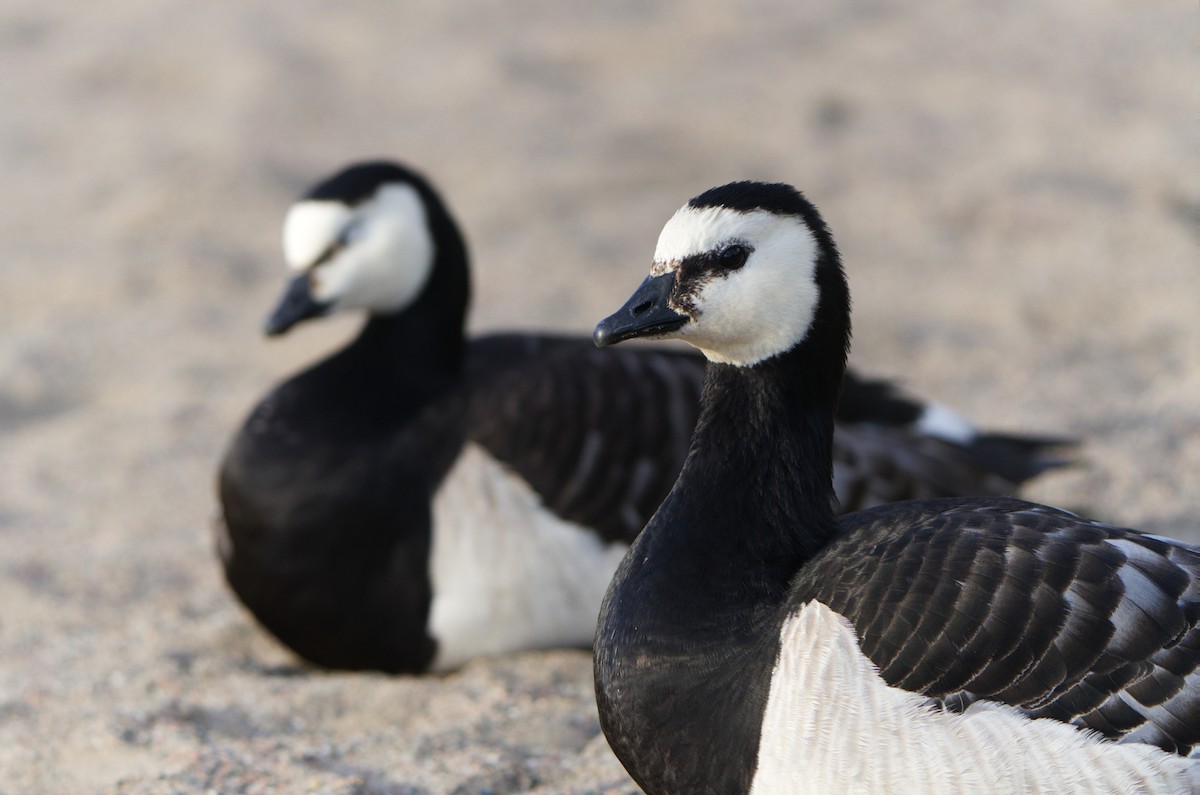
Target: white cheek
x,y
388,265
340,280
763,309
309,228
760,310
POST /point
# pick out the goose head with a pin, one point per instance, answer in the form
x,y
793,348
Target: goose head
x,y
744,272
366,238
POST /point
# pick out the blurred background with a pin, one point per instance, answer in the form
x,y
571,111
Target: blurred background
x,y
1013,186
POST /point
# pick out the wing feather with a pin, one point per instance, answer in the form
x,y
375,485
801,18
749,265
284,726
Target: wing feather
x,y
601,435
964,600
585,427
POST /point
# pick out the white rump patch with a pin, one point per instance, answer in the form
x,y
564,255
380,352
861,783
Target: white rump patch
x,y
942,422
759,310
507,573
832,724
385,249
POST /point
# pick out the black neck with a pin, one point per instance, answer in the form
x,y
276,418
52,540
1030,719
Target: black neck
x,y
422,343
699,597
418,339
758,486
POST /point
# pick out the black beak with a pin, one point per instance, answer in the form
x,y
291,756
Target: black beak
x,y
296,305
646,314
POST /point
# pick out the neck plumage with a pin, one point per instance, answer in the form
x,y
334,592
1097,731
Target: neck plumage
x,y
697,599
754,501
758,481
422,345
752,505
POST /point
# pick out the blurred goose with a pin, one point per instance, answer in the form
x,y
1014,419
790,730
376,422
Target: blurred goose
x,y
753,641
416,500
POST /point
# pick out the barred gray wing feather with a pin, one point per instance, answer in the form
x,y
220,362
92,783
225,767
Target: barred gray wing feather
x,y
600,435
1026,605
875,464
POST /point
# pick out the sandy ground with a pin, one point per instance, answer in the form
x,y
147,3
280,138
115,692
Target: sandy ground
x,y
1013,186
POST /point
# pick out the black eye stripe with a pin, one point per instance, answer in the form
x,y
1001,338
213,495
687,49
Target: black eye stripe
x,y
327,254
723,259
343,240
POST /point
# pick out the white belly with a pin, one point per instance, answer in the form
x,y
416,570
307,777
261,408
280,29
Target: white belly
x,y
507,573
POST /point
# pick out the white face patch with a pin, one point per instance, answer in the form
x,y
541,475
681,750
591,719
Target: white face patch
x,y
383,251
759,310
309,229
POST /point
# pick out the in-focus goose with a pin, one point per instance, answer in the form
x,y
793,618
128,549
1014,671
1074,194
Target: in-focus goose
x,y
752,641
416,500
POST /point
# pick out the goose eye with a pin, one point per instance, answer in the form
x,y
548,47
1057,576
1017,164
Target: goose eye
x,y
732,257
346,238
350,234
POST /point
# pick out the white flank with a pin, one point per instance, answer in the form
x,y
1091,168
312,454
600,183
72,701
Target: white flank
x,y
832,725
507,573
946,424
763,308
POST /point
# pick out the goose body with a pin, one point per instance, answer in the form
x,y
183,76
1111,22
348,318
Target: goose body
x,y
417,499
1052,634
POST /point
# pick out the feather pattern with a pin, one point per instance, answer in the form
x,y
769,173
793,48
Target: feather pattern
x,y
832,724
572,423
613,428
966,608
332,488
1023,604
